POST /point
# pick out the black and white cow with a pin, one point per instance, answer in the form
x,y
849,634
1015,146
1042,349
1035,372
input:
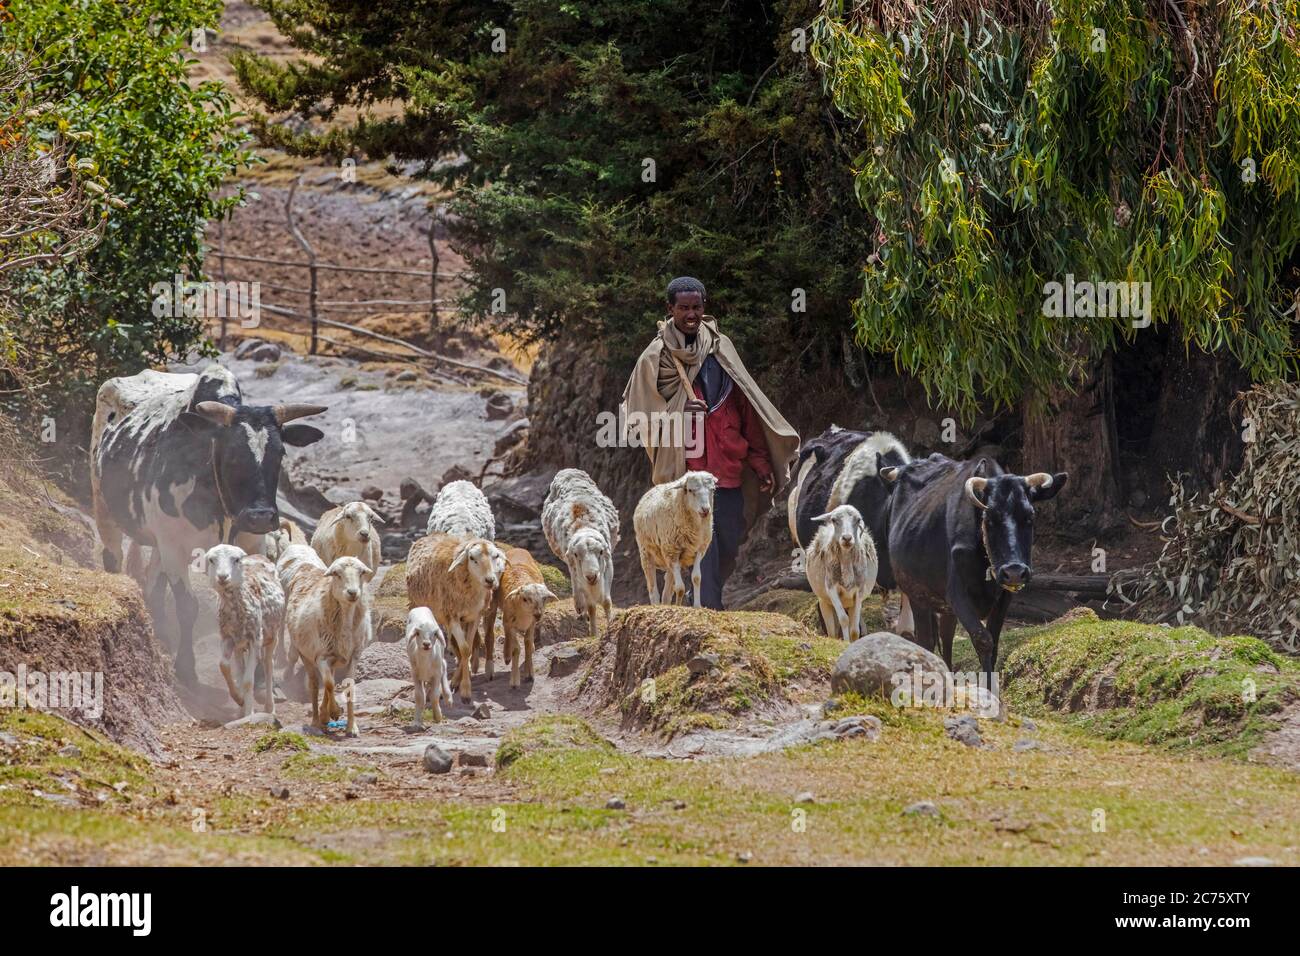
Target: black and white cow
x,y
961,535
179,463
842,467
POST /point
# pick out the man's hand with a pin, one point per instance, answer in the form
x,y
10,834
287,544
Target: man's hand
x,y
696,405
766,483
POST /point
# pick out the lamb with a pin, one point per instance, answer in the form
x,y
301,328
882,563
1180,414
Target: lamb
x,y
461,509
581,526
328,622
454,577
250,615
842,566
275,542
426,647
349,532
521,598
674,528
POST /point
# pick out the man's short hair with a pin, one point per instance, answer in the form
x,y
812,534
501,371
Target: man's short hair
x,y
684,284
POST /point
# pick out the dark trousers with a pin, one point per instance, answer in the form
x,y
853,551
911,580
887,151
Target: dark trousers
x,y
720,560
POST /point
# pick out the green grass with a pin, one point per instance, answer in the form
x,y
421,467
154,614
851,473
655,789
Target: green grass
x,y
1181,688
280,740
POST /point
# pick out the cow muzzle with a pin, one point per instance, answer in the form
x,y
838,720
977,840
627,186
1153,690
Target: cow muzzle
x,y
1014,576
258,520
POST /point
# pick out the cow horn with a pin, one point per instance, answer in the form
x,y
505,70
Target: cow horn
x,y
974,488
219,413
287,413
1039,479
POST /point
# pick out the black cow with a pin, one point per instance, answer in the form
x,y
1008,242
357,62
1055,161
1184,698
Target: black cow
x,y
960,537
842,467
179,463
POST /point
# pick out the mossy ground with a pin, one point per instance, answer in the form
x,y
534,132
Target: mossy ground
x,y
1179,687
802,606
1074,800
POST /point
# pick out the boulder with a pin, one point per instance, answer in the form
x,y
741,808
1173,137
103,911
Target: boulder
x,y
437,760
869,665
565,659
499,406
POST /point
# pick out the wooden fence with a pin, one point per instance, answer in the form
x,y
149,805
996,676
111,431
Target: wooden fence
x,y
315,307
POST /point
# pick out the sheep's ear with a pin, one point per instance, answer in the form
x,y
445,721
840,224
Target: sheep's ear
x,y
374,515
365,570
824,517
460,558
547,595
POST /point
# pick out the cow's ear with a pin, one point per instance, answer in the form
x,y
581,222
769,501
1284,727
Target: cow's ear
x,y
979,468
889,474
300,435
1043,487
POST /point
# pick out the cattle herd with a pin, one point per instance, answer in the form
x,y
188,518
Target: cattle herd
x,y
182,466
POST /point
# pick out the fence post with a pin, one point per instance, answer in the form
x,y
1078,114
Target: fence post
x,y
221,258
311,257
434,325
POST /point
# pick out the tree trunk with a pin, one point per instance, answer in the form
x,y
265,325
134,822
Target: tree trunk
x,y
1076,433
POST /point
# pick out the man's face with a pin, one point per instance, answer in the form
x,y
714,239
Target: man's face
x,y
687,312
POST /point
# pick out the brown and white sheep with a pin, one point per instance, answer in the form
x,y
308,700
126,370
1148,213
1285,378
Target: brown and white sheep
x,y
349,532
521,598
328,621
454,577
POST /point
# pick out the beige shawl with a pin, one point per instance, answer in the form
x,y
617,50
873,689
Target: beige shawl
x,y
656,386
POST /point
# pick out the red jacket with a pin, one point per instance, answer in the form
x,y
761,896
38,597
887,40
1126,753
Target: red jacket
x,y
733,438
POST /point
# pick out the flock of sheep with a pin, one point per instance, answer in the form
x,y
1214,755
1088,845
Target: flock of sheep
x,y
309,603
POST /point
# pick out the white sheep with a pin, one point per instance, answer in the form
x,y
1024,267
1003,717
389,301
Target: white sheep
x,y
250,616
349,532
842,566
674,528
581,526
461,509
455,578
426,647
328,622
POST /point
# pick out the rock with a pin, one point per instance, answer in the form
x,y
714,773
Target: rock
x,y
1024,743
868,665
1254,861
8,741
455,473
1028,725
342,496
922,808
366,779
407,375
70,750
679,804
254,720
436,760
863,725
565,659
468,758
702,663
258,350
482,710
378,691
383,661
965,729
744,857
280,793
499,406
805,797
372,493
615,803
